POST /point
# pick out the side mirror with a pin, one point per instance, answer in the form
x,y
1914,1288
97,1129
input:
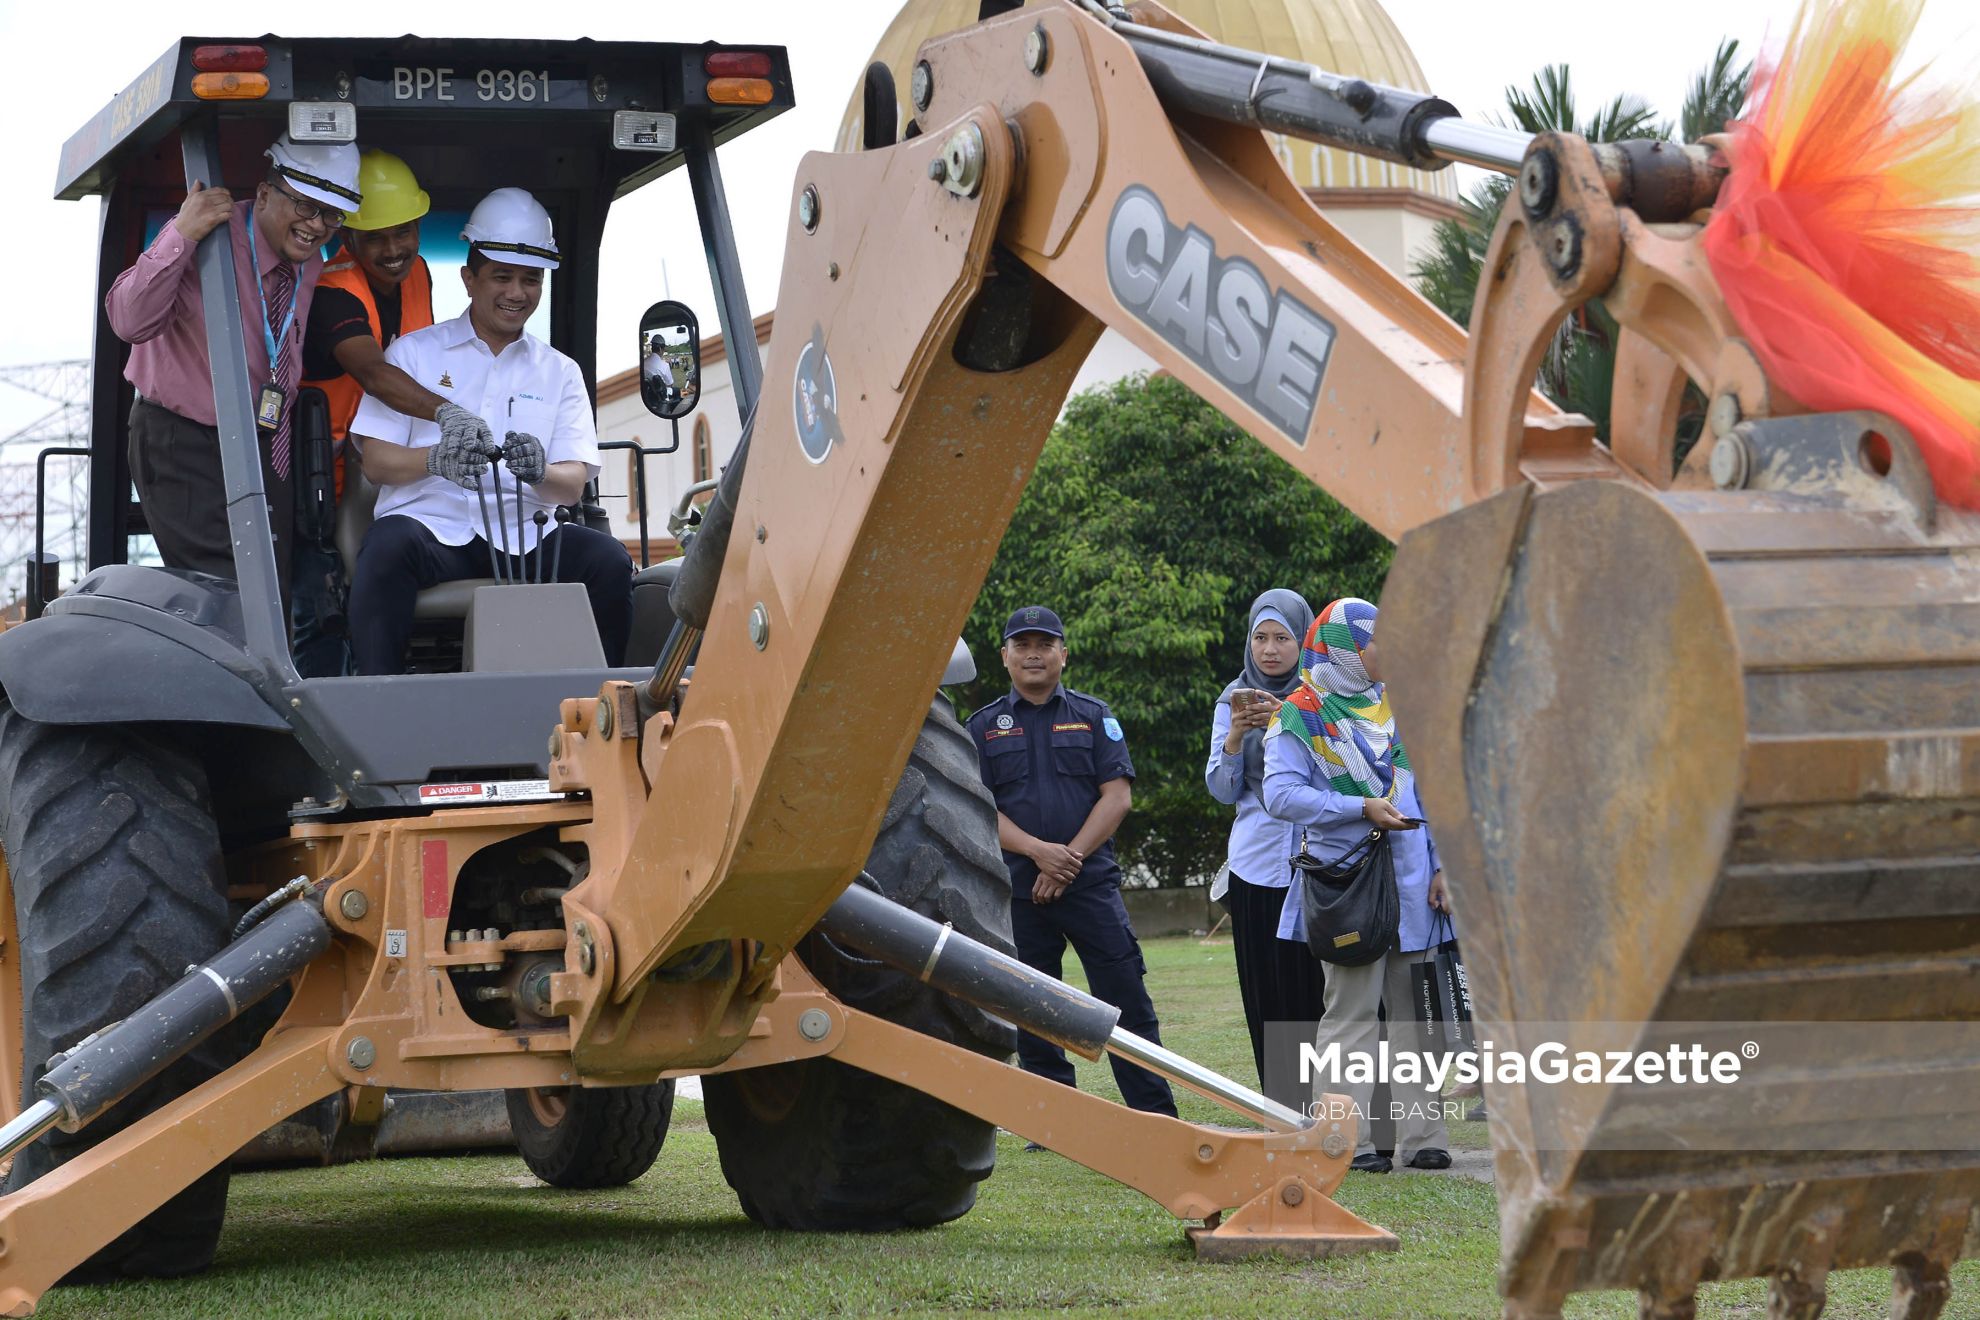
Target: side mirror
x,y
669,360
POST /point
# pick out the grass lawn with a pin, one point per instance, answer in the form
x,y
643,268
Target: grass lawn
x,y
480,1237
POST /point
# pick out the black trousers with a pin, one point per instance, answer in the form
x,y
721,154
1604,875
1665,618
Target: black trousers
x,y
400,558
175,464
1095,920
1280,981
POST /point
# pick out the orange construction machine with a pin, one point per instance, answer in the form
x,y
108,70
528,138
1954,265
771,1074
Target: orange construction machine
x,y
781,872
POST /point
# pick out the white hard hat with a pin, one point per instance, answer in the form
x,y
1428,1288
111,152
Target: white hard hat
x,y
325,172
512,227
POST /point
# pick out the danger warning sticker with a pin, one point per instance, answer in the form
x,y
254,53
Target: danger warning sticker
x,y
504,790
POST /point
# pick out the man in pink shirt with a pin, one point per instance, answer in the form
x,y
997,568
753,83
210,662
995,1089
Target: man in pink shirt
x,y
155,307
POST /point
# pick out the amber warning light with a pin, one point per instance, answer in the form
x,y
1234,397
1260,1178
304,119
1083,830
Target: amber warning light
x,y
229,86
738,77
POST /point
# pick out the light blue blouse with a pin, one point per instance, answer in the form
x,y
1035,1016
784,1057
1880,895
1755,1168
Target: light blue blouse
x,y
1295,792
1261,846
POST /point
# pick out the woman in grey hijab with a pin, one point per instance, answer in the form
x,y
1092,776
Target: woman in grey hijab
x,y
1279,980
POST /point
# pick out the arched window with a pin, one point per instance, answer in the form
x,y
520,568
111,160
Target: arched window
x,y
704,446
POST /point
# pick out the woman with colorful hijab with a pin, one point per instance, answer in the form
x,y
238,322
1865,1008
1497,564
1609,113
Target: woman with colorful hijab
x,y
1278,980
1334,767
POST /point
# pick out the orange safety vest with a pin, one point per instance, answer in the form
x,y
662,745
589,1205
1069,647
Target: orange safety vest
x,y
415,313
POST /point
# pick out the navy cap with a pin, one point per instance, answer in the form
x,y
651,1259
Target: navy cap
x,y
1034,618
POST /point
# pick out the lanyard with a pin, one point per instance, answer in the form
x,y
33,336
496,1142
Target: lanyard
x,y
268,336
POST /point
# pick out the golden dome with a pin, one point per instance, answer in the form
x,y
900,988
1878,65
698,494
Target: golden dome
x,y
1352,37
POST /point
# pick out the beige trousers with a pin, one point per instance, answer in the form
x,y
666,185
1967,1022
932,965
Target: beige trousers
x,y
1353,996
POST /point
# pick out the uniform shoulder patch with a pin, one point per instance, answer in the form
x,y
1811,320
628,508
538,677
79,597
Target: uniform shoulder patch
x,y
985,717
1113,728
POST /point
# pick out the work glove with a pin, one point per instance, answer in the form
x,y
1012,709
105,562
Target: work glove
x,y
524,455
466,445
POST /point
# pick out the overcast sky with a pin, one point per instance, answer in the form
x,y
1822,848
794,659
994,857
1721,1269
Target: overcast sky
x,y
60,76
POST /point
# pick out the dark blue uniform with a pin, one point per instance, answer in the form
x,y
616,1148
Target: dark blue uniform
x,y
1045,765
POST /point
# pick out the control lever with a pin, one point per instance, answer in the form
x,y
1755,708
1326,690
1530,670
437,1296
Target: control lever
x,y
521,550
501,519
488,532
564,515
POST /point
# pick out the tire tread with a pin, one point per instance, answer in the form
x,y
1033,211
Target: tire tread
x,y
610,1135
857,1152
118,885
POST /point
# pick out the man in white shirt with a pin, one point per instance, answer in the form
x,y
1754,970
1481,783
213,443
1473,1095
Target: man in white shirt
x,y
656,367
429,525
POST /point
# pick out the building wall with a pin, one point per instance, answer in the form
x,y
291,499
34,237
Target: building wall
x,y
1395,225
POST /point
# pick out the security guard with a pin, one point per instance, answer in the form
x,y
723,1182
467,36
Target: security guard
x,y
376,289
1057,763
427,526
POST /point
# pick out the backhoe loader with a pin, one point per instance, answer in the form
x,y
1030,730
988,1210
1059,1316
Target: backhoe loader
x,y
778,870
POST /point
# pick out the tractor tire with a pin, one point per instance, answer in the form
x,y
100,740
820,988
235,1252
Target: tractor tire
x,y
818,1145
118,885
590,1136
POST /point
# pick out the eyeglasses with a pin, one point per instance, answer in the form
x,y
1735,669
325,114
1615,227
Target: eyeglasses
x,y
307,210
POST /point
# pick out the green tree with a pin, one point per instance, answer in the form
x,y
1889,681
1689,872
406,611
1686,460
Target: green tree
x,y
1151,524
1447,274
1579,368
1547,105
1717,92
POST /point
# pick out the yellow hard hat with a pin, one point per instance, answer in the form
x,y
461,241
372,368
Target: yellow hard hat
x,y
392,196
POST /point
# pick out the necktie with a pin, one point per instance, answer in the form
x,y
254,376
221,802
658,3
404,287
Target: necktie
x,y
281,286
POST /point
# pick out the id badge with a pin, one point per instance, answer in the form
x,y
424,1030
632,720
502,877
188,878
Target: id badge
x,y
268,408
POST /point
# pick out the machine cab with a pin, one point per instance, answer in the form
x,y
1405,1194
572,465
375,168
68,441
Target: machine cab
x,y
579,124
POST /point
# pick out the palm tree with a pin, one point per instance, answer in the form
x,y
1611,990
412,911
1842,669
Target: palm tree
x,y
1548,106
1580,364
1717,93
1448,273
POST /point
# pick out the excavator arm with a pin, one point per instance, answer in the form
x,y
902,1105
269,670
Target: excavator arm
x,y
938,297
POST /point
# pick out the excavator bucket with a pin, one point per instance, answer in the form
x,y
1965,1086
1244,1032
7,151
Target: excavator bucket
x,y
1705,768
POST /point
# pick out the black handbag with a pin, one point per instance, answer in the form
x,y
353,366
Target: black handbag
x,y
1350,903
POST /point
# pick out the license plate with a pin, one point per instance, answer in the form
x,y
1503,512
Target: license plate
x,y
469,86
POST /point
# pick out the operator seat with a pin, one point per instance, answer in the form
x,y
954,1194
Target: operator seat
x,y
449,600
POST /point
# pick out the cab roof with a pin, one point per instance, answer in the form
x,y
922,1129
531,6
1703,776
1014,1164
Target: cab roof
x,y
558,93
